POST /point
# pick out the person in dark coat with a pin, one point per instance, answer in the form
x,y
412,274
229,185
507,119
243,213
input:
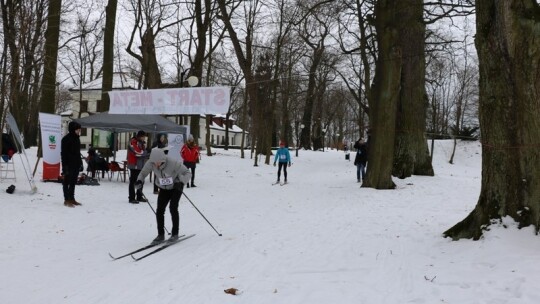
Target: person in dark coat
x,y
360,160
71,163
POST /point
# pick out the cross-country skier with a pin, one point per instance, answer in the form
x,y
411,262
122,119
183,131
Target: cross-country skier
x,y
171,176
284,158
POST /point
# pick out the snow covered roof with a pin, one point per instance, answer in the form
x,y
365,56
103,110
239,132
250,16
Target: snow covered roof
x,y
234,129
121,81
223,116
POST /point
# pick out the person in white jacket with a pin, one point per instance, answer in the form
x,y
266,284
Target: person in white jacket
x,y
171,176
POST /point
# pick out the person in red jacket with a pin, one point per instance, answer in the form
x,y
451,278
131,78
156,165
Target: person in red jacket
x,y
190,155
136,157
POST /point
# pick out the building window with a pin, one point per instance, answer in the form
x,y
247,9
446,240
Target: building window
x,y
84,106
212,139
84,131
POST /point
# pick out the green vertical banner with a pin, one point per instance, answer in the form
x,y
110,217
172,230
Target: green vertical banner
x,y
51,137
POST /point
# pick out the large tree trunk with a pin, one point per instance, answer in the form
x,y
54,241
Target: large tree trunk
x,y
508,45
202,20
52,34
306,133
152,75
385,95
245,61
108,54
412,155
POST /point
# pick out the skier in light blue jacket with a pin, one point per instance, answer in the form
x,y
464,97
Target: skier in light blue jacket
x,y
283,157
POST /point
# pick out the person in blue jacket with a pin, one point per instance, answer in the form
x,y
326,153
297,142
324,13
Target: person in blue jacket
x,y
284,159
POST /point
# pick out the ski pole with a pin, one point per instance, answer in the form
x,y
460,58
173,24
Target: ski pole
x,y
202,214
148,202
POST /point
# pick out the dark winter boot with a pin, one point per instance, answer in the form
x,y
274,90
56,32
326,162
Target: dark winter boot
x,y
159,239
69,203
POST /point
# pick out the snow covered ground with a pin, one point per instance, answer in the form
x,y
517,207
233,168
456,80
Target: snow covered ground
x,y
319,239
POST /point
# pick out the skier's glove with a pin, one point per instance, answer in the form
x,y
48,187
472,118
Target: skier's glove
x,y
274,164
138,185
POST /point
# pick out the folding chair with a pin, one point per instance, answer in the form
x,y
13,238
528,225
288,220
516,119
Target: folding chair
x,y
120,170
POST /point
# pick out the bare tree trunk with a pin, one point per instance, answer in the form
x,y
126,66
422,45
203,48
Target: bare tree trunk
x,y
451,161
385,95
411,151
3,87
244,119
147,15
24,62
108,54
508,44
227,133
306,135
208,122
51,57
202,20
245,61
263,109
152,79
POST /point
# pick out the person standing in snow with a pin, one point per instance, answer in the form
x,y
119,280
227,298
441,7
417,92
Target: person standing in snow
x,y
171,176
70,153
284,157
190,155
136,156
360,160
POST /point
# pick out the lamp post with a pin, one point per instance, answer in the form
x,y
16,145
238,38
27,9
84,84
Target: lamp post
x,y
337,142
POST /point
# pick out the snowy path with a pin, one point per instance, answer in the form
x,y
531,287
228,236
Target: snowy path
x,y
319,239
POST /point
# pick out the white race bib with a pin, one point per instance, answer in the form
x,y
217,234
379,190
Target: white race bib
x,y
165,181
283,157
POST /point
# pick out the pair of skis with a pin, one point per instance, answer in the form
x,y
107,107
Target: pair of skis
x,y
161,245
278,183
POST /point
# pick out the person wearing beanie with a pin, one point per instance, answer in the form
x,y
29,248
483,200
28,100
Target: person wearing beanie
x,y
284,158
171,176
163,143
190,155
70,154
136,157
